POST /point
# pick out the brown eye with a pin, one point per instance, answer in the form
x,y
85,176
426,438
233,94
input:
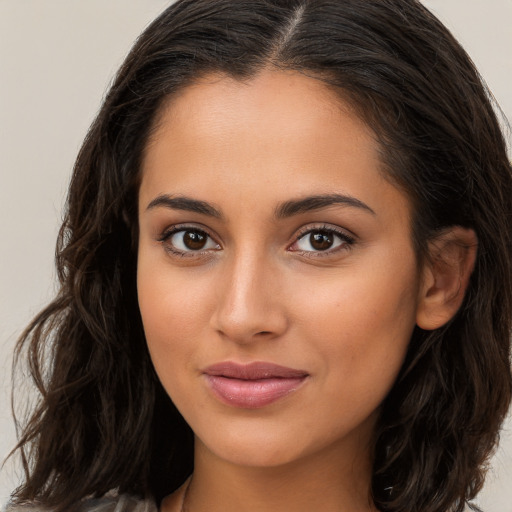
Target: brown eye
x,y
188,241
321,240
194,240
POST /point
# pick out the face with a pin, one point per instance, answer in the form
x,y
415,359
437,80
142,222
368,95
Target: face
x,y
277,280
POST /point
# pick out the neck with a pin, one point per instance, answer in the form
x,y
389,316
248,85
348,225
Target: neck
x,y
326,481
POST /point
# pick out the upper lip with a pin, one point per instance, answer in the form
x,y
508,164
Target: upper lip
x,y
253,371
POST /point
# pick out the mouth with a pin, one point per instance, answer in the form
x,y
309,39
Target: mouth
x,y
253,385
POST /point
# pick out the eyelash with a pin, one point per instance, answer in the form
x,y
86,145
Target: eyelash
x,y
347,241
168,233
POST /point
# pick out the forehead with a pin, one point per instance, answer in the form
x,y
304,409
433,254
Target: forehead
x,y
216,93
274,104
278,134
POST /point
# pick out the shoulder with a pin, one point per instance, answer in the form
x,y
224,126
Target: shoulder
x,y
122,503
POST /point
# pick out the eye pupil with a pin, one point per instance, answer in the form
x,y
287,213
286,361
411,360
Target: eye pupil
x,y
194,240
321,240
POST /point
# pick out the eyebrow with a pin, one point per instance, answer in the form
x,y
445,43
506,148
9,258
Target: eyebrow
x,y
185,203
317,202
284,210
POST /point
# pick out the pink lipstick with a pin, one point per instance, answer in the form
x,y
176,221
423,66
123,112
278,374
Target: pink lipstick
x,y
253,385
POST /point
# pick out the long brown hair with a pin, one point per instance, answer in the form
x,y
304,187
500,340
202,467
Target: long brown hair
x,y
103,420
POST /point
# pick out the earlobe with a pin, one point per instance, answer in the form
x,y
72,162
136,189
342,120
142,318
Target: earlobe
x,y
445,276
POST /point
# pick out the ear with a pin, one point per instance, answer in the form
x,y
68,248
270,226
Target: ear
x,y
445,276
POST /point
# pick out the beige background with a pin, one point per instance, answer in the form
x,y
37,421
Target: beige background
x,y
56,59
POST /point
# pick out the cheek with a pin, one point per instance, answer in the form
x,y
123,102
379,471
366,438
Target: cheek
x,y
174,313
362,325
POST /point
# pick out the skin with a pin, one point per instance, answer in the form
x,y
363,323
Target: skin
x,y
259,291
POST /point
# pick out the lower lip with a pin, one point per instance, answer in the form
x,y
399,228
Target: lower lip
x,y
252,394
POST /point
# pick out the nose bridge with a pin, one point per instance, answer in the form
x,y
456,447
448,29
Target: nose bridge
x,y
248,302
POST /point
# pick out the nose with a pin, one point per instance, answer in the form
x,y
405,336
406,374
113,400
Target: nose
x,y
249,302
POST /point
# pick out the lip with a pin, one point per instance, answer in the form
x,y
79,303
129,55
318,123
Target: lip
x,y
254,385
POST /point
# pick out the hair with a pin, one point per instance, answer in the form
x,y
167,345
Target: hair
x,y
103,420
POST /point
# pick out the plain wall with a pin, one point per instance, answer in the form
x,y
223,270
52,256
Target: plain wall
x,y
56,59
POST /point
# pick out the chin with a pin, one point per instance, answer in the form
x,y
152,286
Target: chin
x,y
251,448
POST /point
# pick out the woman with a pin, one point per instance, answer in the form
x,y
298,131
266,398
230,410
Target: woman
x,y
285,272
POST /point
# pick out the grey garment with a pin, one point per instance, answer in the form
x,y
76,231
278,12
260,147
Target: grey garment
x,y
122,503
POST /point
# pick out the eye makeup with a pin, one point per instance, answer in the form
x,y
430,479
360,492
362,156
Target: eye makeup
x,y
188,240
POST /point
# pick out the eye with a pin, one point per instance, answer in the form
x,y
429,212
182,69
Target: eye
x,y
186,241
322,240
